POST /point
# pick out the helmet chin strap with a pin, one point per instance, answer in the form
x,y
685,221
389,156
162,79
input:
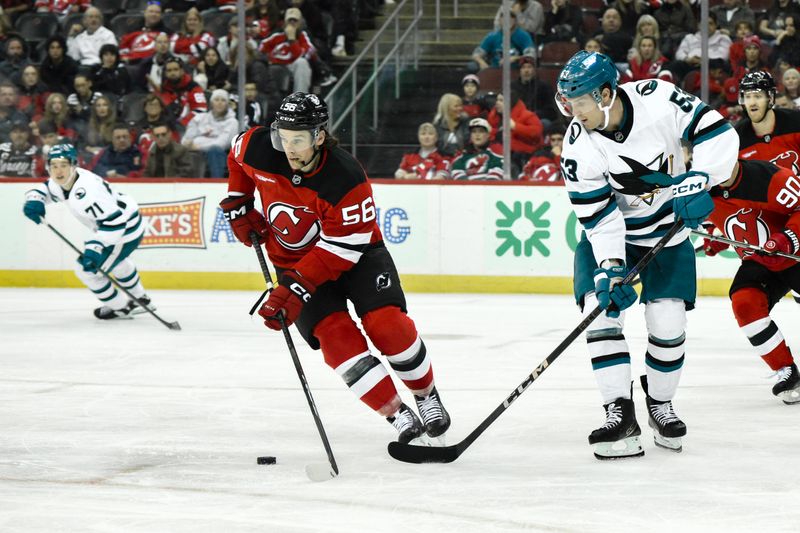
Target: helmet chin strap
x,y
607,110
304,164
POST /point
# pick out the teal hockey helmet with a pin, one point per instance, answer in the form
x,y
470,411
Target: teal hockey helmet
x,y
63,151
585,73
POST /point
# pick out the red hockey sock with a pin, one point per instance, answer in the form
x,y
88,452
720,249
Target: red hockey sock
x,y
751,309
394,334
345,350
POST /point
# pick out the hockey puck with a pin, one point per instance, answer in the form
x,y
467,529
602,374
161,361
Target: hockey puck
x,y
266,460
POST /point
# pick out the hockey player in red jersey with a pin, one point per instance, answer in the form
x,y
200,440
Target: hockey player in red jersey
x,y
768,133
760,205
320,231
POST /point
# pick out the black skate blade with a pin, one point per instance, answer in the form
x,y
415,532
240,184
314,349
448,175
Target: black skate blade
x,y
410,453
618,457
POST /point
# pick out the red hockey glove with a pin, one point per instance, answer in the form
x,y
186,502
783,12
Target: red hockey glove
x,y
240,213
783,241
287,298
712,248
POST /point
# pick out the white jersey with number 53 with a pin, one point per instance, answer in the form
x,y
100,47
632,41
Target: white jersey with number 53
x,y
603,169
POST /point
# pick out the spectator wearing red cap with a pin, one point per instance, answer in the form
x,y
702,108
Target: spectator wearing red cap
x,y
752,58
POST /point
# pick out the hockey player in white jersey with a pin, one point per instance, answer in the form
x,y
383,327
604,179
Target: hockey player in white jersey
x,y
626,178
111,215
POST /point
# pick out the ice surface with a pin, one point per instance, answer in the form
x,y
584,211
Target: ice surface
x,y
128,426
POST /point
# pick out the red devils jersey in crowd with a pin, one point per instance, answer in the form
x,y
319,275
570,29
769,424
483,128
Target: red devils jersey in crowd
x,y
781,147
764,199
320,222
428,167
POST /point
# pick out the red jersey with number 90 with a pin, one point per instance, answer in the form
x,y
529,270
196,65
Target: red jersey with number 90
x,y
321,222
763,199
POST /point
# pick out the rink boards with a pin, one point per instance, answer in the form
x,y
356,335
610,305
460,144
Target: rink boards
x,y
444,237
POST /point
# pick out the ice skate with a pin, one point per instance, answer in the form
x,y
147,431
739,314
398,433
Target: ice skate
x,y
788,386
106,313
135,309
662,418
435,417
618,438
407,424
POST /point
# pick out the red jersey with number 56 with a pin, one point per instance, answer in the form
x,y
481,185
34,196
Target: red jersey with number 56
x,y
321,222
762,200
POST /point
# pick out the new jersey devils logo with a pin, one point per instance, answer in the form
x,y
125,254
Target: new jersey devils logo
x,y
746,226
787,159
293,227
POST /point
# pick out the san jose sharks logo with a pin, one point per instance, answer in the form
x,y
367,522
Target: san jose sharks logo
x,y
644,180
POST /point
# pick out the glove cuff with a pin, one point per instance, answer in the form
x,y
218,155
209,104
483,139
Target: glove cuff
x,y
793,240
298,285
234,207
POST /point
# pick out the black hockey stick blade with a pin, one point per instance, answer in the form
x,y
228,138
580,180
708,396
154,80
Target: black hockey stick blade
x,y
411,453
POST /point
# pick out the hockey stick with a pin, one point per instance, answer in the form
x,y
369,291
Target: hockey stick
x,y
745,245
409,453
317,471
170,325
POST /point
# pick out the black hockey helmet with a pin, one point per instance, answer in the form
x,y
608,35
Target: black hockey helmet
x,y
301,111
757,81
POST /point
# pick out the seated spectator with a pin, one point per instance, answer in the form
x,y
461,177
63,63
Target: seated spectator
x,y
529,14
452,125
182,96
20,157
471,100
771,26
16,59
58,70
478,161
61,8
314,24
594,45
791,85
45,134
12,9
167,158
730,108
782,101
120,158
138,45
9,114
102,121
563,22
545,164
688,54
189,43
31,93
80,102
490,52
717,74
111,77
288,52
631,12
154,113
257,71
211,72
730,13
426,163
534,93
56,112
615,40
736,51
227,41
646,26
676,21
255,109
526,130
647,62
212,133
787,44
84,41
752,58
150,72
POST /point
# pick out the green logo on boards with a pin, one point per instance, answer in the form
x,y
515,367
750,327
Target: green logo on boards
x,y
521,229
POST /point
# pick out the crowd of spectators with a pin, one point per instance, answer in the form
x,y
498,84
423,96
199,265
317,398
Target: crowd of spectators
x,y
149,87
646,39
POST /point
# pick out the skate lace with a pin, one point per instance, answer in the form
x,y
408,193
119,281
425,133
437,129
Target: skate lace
x,y
784,374
663,413
613,416
430,409
403,420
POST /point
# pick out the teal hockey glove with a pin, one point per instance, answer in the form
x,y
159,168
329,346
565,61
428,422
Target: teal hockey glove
x,y
609,290
34,210
93,257
691,203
